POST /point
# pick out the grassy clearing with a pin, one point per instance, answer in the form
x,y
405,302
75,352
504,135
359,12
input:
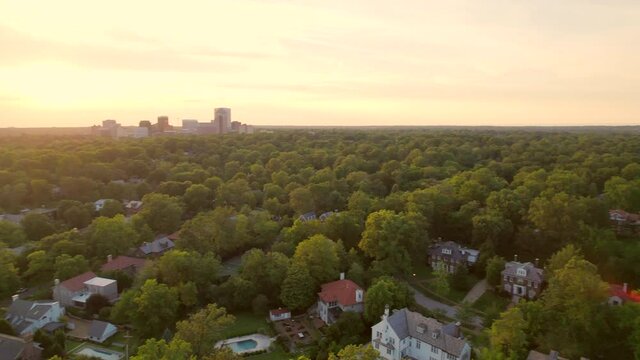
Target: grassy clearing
x,y
490,301
247,323
277,354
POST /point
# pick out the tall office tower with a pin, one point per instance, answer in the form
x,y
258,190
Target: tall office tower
x,y
223,118
163,123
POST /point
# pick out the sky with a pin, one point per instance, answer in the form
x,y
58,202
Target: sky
x,y
330,62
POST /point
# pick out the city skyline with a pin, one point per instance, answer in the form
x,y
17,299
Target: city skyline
x,y
331,63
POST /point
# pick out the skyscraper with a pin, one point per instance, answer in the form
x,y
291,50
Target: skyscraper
x,y
222,118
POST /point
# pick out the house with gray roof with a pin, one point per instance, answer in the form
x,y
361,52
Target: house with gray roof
x,y
15,348
100,331
410,335
450,255
156,248
28,316
522,280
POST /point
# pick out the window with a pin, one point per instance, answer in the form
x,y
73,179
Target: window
x,y
521,272
388,351
434,349
432,358
392,341
378,334
446,251
451,357
377,345
417,344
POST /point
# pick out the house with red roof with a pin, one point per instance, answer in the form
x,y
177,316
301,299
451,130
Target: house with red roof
x,y
337,297
620,294
127,264
279,314
77,290
624,222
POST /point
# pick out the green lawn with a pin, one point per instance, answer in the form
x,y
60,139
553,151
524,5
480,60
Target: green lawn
x,y
247,323
277,354
490,300
422,281
71,344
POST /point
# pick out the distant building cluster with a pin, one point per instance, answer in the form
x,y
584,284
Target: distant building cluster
x,y
221,124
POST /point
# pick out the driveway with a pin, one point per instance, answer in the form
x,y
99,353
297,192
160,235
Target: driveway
x,y
476,292
434,305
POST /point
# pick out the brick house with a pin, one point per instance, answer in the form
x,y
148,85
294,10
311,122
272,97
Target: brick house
x,y
451,255
522,280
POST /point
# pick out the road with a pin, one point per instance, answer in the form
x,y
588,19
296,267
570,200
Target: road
x,y
476,292
434,305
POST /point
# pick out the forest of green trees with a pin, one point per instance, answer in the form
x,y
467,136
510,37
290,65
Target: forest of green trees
x,y
542,195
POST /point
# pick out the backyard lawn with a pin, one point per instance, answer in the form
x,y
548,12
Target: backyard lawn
x,y
490,300
247,323
277,354
423,281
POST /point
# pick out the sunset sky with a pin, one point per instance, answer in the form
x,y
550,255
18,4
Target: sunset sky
x,y
343,62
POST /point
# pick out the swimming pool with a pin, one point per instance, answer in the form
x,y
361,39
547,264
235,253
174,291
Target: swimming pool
x,y
100,353
243,345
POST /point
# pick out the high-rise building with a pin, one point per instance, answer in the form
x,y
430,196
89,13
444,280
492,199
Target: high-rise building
x,y
222,118
163,124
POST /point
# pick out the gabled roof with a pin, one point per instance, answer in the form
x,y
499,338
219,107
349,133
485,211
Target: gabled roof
x,y
29,309
11,347
77,283
342,291
276,312
458,252
159,245
98,328
618,214
533,273
407,323
124,262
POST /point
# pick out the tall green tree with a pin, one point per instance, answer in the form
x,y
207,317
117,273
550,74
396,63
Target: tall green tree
x,y
385,291
298,288
204,328
163,213
319,255
508,334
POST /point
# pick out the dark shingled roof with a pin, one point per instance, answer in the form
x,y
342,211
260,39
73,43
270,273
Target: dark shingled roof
x,y
533,273
97,328
11,347
405,323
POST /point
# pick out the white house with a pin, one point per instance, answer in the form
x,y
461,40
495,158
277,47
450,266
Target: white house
x,y
100,331
99,204
279,314
408,334
339,296
28,316
77,290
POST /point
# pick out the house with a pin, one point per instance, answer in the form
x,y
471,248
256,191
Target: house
x,y
132,207
307,216
28,316
410,335
77,290
339,296
620,294
156,248
553,355
624,222
522,280
126,264
450,255
99,204
324,216
100,331
15,348
279,314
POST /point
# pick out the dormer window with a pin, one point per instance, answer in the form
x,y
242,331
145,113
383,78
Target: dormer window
x,y
521,272
446,251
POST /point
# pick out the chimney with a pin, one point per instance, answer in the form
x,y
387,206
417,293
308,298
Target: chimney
x,y
109,258
386,312
537,262
553,355
515,257
15,297
56,282
341,276
625,287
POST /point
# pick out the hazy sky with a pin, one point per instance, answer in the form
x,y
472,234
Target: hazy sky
x,y
343,62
